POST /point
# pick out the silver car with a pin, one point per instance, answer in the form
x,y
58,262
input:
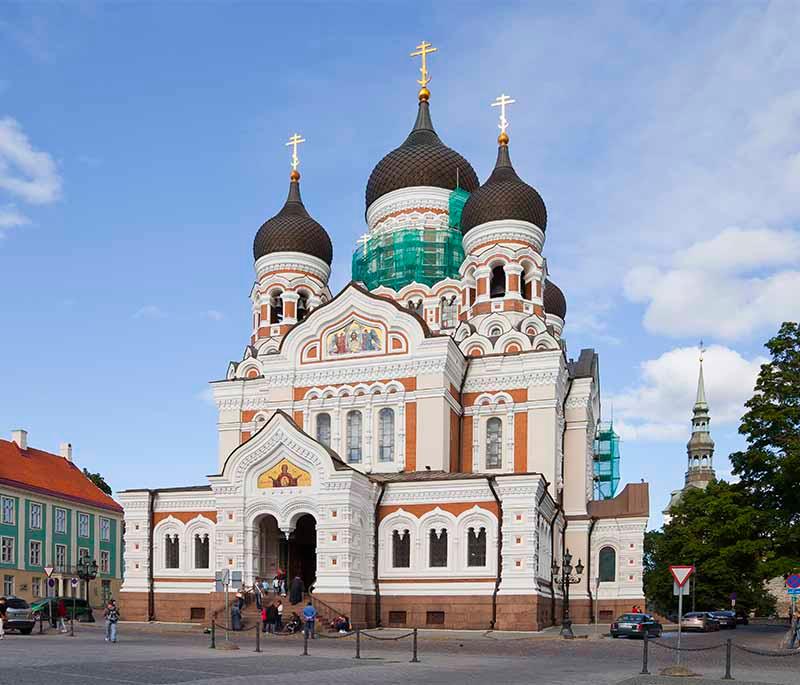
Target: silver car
x,y
699,620
18,615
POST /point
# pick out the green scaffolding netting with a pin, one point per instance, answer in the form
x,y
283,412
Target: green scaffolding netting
x,y
606,461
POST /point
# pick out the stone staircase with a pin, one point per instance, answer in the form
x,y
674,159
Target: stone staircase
x,y
251,615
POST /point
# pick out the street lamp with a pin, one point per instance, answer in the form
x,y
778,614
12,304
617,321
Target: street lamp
x,y
87,571
564,582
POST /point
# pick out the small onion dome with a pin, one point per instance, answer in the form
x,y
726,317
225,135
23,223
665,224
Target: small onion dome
x,y
504,196
293,230
554,300
422,160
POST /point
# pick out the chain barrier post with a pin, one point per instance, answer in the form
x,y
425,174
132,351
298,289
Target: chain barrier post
x,y
41,629
213,634
305,643
644,655
258,636
414,659
358,643
727,675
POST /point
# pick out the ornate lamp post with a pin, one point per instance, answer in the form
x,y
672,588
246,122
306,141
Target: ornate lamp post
x,y
87,571
564,581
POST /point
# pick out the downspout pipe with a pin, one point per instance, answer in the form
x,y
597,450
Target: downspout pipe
x,y
376,547
151,589
589,570
461,417
492,482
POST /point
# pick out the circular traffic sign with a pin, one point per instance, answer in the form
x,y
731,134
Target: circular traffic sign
x,y
793,581
74,582
51,582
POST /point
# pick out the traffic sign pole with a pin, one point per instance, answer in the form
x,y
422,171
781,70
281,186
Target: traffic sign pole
x,y
681,574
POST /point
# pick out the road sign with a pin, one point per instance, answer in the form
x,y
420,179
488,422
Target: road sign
x,y
793,590
51,582
733,597
677,589
74,582
793,581
48,570
681,573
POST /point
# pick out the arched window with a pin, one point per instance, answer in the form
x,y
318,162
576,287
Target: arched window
x,y
495,332
438,548
354,437
415,307
401,549
275,306
172,551
608,565
324,429
497,285
201,559
449,312
476,547
386,435
302,306
494,443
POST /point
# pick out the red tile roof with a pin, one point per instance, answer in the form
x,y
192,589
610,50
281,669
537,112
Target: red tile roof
x,y
49,474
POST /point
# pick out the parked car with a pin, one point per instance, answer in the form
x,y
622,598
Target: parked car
x,y
18,615
726,618
700,620
741,617
636,625
83,612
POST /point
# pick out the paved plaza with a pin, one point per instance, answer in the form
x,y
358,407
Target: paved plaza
x,y
150,655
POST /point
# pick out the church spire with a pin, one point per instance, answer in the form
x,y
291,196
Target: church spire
x,y
700,448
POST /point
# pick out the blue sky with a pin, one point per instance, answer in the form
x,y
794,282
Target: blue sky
x,y
142,145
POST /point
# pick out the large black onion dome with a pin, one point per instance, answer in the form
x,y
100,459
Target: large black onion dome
x,y
422,160
554,300
504,196
293,230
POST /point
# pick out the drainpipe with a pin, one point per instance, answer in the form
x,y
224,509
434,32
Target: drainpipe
x,y
589,571
151,590
376,543
461,417
491,481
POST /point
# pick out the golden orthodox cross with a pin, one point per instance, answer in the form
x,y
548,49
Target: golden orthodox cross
x,y
294,141
423,50
502,102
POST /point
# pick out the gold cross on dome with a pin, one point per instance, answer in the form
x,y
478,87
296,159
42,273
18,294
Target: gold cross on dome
x,y
502,102
294,141
423,50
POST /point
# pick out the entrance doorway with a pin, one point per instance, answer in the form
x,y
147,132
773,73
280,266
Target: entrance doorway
x,y
297,555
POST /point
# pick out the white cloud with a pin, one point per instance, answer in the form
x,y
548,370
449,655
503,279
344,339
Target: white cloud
x,y
214,315
726,286
26,173
659,407
150,311
10,217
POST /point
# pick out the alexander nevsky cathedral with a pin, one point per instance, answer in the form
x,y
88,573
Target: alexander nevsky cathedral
x,y
419,448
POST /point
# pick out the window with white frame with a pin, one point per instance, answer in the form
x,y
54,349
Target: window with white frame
x,y
172,551
476,546
35,553
494,443
324,429
437,548
401,549
201,550
83,554
105,529
7,546
36,587
449,311
35,516
83,525
61,558
61,520
8,511
8,585
386,435
105,561
354,424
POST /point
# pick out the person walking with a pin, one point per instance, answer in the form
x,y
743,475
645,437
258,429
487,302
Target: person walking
x,y
61,614
236,617
272,618
279,620
794,630
257,594
111,615
264,620
309,620
282,581
297,590
2,617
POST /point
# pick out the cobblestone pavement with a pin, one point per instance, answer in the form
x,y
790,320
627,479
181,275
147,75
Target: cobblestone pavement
x,y
147,655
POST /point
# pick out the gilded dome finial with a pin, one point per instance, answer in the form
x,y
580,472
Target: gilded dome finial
x,y
294,141
502,102
423,50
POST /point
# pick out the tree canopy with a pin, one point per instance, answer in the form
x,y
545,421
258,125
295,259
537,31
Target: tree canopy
x,y
99,481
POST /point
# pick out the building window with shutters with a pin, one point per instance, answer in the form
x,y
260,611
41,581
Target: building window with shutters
x,y
438,548
476,547
386,435
324,429
354,437
494,443
172,553
401,549
201,554
608,565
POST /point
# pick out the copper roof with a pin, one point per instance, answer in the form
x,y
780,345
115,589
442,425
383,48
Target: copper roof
x,y
554,300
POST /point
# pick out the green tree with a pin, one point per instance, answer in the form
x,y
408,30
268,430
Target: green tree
x,y
98,480
769,469
722,534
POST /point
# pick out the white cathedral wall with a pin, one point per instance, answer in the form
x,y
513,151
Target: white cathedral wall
x,y
626,537
578,446
137,527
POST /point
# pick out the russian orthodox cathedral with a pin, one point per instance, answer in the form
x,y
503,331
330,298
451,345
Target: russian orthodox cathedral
x,y
418,448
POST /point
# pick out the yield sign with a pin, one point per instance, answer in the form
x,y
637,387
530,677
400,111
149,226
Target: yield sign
x,y
49,570
681,574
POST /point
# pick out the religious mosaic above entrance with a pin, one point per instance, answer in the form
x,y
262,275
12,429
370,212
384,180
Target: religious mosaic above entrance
x,y
354,338
284,475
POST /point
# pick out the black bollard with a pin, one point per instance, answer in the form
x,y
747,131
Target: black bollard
x,y
414,659
258,636
644,655
358,643
213,634
727,675
305,643
41,629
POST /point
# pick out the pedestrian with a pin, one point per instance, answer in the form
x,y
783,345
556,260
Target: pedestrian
x,y
297,590
2,616
272,618
276,585
279,620
111,615
236,617
264,620
61,613
309,618
257,593
794,629
282,581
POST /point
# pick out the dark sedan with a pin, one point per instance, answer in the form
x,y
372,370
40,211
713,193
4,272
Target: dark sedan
x,y
727,619
636,625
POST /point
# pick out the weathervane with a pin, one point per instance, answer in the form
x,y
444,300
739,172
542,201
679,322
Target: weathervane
x,y
502,102
702,350
423,50
294,141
